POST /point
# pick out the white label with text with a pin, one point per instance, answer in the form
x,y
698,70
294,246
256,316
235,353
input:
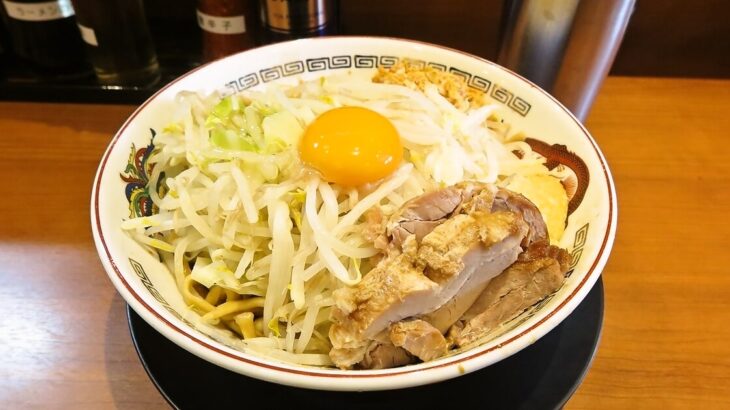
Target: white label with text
x,y
48,10
221,25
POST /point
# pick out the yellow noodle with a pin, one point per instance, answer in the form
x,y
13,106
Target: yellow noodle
x,y
180,264
235,306
233,326
245,322
214,295
191,297
231,295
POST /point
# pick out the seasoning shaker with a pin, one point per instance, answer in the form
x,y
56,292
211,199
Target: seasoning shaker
x,y
596,36
566,47
290,19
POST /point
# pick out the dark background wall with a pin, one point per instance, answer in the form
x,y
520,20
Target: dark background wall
x,y
689,38
664,38
677,38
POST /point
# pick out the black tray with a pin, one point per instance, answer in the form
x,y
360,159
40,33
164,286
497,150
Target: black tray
x,y
542,376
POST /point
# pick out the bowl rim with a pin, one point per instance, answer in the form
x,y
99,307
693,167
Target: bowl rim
x,y
353,380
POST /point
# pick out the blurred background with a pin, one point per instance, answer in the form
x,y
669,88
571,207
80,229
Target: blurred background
x,y
683,38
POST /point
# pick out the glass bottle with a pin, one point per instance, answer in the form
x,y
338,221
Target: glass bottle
x,y
118,41
44,34
228,26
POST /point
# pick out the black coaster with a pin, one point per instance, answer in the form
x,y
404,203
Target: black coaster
x,y
542,376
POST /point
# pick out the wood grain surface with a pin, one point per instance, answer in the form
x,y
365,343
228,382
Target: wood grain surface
x,y
63,331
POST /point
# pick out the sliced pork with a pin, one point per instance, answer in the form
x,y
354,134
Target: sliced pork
x,y
506,200
444,251
393,290
418,338
538,272
421,278
502,248
421,215
383,355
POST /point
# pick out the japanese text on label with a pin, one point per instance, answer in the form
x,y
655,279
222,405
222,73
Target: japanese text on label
x,y
222,25
49,10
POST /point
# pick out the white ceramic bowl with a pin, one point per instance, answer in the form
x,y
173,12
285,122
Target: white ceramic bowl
x,y
149,289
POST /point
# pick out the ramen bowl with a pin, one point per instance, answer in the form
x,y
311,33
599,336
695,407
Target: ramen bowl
x,y
149,288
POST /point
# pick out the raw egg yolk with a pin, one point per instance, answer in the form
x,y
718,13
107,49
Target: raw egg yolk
x,y
352,146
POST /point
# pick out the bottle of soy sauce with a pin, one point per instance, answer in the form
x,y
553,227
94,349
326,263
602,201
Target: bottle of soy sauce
x,y
44,33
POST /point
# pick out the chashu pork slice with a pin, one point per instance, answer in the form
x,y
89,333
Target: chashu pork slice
x,y
421,278
422,214
393,290
506,200
418,338
507,231
384,355
538,272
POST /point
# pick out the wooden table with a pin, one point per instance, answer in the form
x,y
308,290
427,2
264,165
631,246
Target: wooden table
x,y
665,344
